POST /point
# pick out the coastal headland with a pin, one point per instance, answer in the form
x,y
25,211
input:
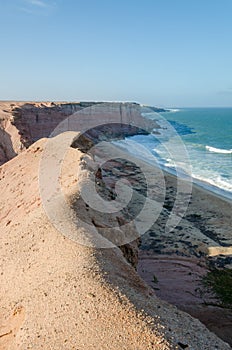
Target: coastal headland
x,y
67,292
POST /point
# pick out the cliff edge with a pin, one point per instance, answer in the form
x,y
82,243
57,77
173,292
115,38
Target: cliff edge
x,y
57,293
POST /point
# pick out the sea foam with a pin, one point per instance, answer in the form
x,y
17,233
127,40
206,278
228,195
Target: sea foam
x,y
218,150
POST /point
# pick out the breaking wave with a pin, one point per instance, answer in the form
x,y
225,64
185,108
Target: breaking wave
x,y
219,150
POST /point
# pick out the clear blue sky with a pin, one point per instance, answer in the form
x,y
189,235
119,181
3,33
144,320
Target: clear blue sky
x,y
160,52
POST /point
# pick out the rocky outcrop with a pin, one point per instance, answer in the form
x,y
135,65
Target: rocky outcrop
x,y
22,124
35,121
9,135
155,109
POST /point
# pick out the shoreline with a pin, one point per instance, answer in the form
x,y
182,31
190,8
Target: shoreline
x,y
204,186
211,205
210,181
201,186
174,263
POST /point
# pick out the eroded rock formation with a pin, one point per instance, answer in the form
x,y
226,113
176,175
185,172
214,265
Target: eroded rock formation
x,y
22,124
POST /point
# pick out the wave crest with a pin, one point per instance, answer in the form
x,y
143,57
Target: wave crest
x,y
218,150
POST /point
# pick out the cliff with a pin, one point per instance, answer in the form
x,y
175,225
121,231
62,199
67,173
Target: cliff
x,y
58,291
23,123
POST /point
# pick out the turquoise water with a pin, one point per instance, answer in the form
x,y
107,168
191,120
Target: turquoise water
x,y
212,126
208,142
205,133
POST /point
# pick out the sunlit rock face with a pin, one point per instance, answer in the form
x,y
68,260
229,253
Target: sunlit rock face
x,y
23,123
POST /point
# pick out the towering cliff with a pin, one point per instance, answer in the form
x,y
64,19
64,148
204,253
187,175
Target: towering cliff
x,y
23,123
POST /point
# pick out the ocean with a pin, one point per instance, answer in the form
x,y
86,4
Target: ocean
x,y
193,141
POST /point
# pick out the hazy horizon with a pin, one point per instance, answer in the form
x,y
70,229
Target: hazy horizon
x,y
122,101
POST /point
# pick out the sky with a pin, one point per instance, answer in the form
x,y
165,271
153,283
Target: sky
x,y
167,53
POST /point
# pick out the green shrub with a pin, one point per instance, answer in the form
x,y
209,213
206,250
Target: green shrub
x,y
221,283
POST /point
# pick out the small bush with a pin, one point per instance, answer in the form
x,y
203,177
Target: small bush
x,y
221,283
155,279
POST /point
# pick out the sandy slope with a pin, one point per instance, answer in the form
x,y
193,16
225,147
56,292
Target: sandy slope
x,y
56,294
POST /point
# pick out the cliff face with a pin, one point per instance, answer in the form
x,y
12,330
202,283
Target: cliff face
x,y
22,124
9,134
